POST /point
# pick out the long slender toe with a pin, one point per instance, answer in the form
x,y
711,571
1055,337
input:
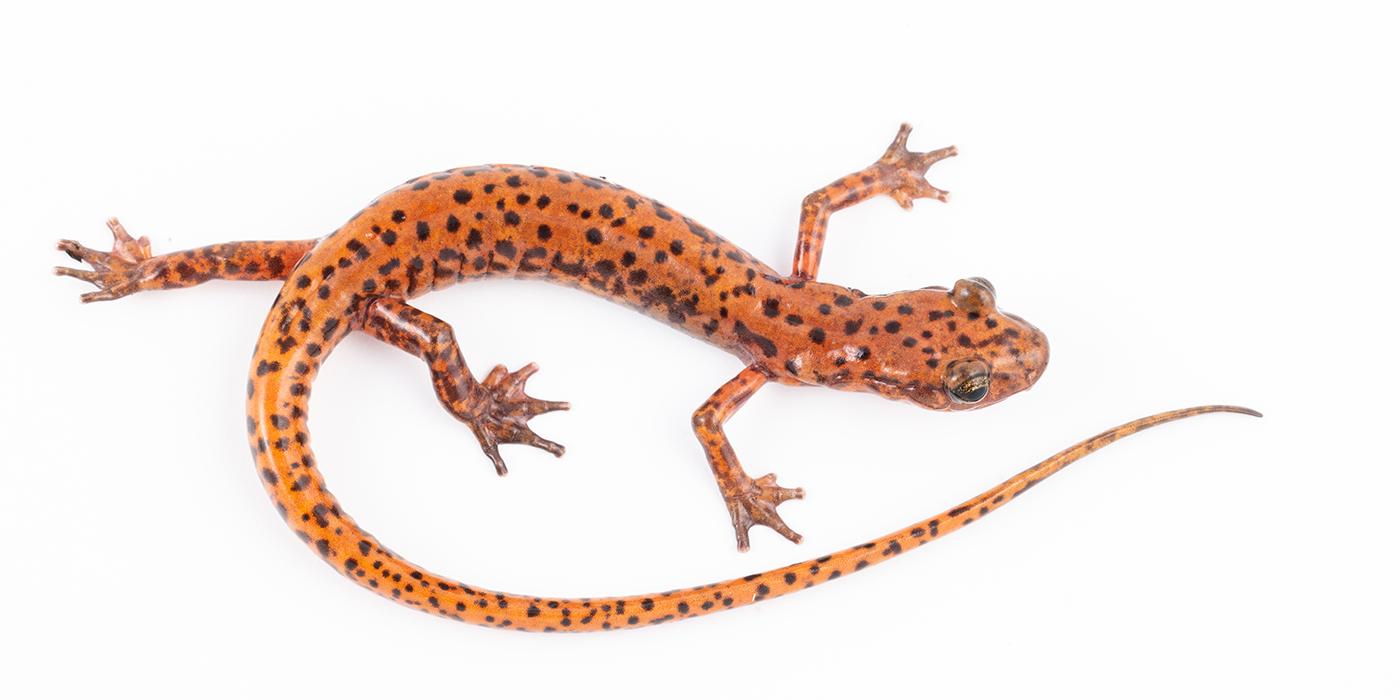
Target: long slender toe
x,y
84,275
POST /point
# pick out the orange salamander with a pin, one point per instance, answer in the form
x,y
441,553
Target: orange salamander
x,y
942,349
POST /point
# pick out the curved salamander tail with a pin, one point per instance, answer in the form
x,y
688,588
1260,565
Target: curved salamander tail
x,y
296,487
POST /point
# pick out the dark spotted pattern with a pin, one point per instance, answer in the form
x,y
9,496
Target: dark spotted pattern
x,y
586,232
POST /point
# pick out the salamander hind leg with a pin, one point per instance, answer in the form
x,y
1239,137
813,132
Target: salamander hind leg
x,y
750,501
130,267
495,408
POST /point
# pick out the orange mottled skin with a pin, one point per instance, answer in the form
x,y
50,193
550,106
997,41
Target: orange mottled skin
x,y
937,348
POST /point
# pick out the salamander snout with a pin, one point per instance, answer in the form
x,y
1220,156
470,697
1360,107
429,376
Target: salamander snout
x,y
995,354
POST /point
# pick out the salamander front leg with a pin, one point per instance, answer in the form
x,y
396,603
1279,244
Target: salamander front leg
x,y
750,502
130,267
496,408
899,173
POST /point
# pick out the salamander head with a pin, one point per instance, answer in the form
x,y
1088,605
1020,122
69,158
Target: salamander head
x,y
947,350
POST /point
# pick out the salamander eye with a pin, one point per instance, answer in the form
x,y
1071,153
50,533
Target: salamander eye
x,y
974,294
968,381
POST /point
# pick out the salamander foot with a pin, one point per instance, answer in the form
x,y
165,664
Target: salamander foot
x,y
499,409
905,169
116,274
755,502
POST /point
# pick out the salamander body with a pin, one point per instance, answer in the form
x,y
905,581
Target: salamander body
x,y
939,348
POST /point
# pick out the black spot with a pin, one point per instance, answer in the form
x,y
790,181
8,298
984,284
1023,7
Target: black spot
x,y
324,547
677,247
646,232
544,232
513,181
769,348
512,219
422,230
789,578
817,335
594,236
892,327
567,268
357,248
453,223
506,249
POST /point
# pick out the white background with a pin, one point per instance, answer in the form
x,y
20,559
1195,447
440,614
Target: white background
x,y
1197,203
